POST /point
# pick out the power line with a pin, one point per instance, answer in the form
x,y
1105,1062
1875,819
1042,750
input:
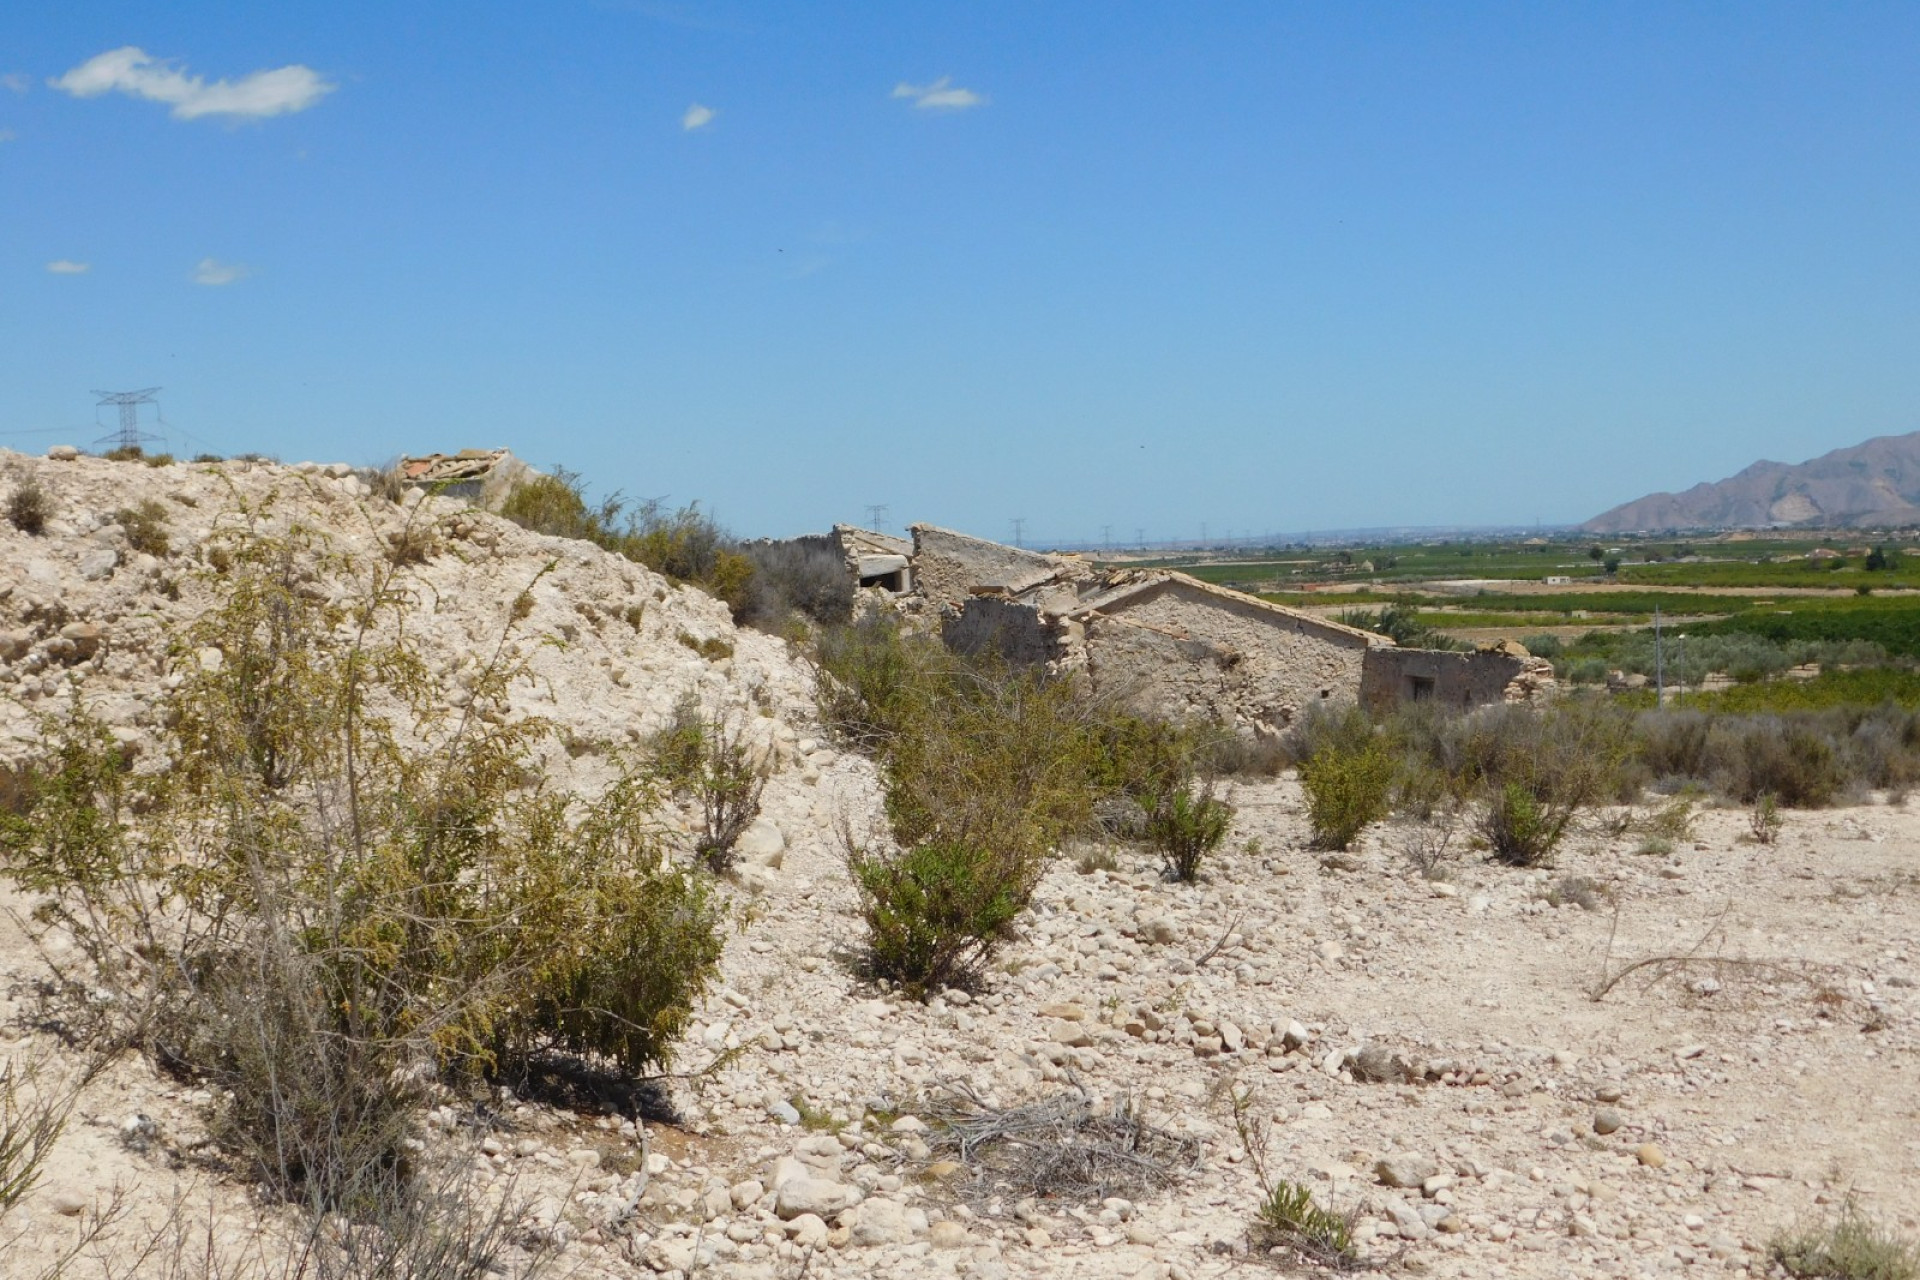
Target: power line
x,y
876,513
1019,526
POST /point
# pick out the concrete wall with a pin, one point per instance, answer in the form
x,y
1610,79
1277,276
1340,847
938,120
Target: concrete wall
x,y
1394,676
948,565
1187,654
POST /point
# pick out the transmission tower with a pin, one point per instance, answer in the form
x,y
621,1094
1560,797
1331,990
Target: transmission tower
x,y
1019,526
876,513
129,435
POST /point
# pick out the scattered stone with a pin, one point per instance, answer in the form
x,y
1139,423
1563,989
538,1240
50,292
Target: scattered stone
x,y
821,1196
1650,1155
1404,1170
947,1235
1606,1120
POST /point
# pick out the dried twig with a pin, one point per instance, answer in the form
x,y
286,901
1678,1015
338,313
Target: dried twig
x,y
1214,950
1059,1146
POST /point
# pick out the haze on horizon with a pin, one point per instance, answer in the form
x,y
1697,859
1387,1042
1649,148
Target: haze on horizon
x,y
1262,266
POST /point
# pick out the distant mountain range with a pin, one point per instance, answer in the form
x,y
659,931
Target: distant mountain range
x,y
1876,483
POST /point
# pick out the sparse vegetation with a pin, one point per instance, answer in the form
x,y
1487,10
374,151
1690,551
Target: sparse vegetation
x,y
1852,1246
706,758
1348,775
1764,820
145,526
1185,824
337,886
29,508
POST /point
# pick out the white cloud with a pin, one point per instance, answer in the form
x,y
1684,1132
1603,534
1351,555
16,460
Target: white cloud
x,y
941,95
68,267
213,271
697,117
253,96
15,81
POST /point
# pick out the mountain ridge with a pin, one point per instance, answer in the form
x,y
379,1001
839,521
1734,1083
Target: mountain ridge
x,y
1876,482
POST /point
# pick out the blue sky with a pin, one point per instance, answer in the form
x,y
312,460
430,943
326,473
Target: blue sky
x,y
1148,266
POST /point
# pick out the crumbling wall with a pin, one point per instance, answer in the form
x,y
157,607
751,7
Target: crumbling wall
x,y
948,567
1184,654
1453,679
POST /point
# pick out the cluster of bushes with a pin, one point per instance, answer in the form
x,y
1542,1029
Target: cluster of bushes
x,y
762,585
1525,773
989,772
336,890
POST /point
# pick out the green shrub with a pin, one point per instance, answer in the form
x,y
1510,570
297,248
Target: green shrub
x,y
28,507
1851,1247
1518,827
1764,820
871,681
936,912
1184,825
1349,786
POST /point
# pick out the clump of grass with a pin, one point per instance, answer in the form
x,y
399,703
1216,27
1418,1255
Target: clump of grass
x,y
1851,1247
713,648
1185,825
28,507
1764,821
1289,1218
145,527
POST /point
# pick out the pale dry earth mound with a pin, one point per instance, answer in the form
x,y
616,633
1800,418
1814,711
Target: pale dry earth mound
x,y
1383,1028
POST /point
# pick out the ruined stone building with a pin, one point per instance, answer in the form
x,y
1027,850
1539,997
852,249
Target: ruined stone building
x,y
1182,648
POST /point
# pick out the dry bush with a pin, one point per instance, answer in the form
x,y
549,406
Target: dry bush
x,y
796,577
338,886
1062,1147
28,507
706,758
145,526
1288,1221
32,1116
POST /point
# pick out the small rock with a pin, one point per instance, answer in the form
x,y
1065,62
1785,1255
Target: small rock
x,y
1037,1238
1064,1012
947,1235
1650,1155
1141,1233
96,565
1608,1092
63,453
1294,1036
808,1231
1404,1170
821,1196
67,1202
784,1112
1606,1120
746,1193
881,1222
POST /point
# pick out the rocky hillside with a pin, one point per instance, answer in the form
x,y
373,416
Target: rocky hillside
x,y
1876,483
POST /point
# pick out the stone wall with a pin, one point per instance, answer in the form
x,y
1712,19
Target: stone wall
x,y
949,566
1184,652
1395,676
